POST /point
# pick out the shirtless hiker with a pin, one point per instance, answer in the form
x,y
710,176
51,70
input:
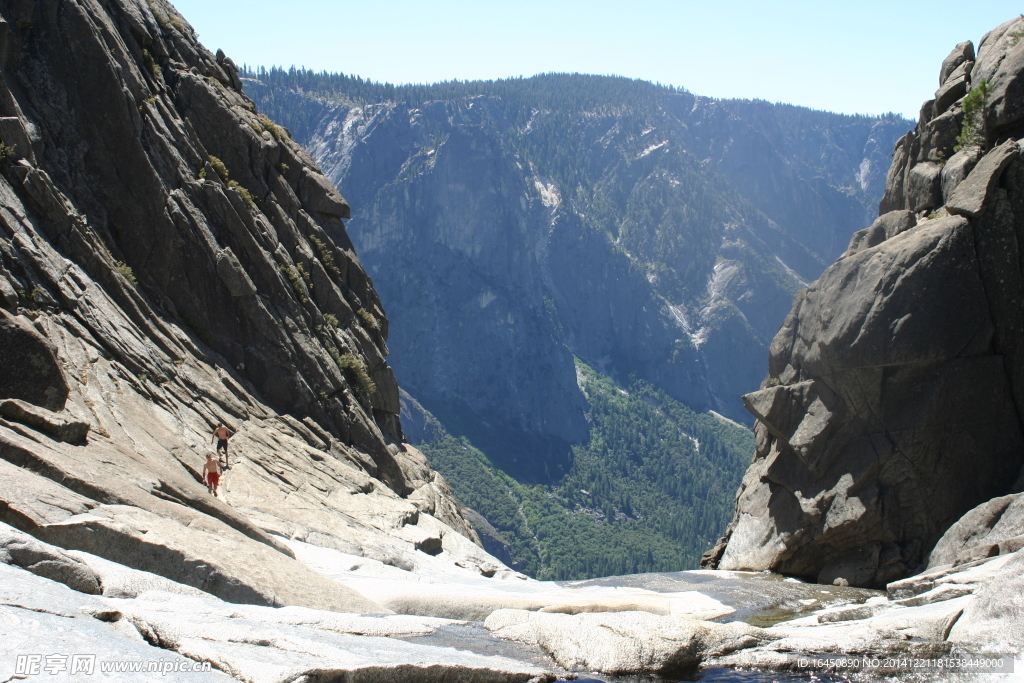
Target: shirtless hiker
x,y
222,434
211,473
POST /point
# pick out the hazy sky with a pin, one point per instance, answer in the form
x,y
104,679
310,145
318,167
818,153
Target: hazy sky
x,y
870,56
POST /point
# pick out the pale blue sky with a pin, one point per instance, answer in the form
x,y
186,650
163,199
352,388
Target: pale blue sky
x,y
870,57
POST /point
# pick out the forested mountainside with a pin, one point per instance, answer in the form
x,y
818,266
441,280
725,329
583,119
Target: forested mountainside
x,y
649,491
510,225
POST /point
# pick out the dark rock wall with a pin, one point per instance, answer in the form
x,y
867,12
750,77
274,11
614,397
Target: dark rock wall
x,y
893,401
113,161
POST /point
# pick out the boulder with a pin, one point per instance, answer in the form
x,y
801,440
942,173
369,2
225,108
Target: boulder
x,y
993,48
951,91
8,297
957,168
894,198
624,642
962,53
924,187
1001,63
886,226
995,527
970,196
233,275
320,195
938,137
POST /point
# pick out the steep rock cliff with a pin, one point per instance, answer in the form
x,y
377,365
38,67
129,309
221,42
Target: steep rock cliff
x,y
893,401
171,260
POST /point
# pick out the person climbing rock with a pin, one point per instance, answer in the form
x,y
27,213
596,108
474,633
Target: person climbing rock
x,y
211,473
222,434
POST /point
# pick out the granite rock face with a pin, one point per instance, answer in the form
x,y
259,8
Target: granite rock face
x,y
993,528
893,401
232,255
30,370
171,260
995,618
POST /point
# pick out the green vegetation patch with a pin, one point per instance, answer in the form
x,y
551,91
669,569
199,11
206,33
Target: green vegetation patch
x,y
973,128
354,370
297,276
275,130
126,272
153,67
219,167
651,491
246,196
323,252
369,322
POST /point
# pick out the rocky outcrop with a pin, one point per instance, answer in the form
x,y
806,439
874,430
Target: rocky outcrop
x,y
624,643
993,528
995,617
21,550
893,403
171,260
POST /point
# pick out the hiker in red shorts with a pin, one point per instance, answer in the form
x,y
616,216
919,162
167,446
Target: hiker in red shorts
x,y
211,474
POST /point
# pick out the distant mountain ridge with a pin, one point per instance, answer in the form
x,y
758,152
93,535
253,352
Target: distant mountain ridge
x,y
512,224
